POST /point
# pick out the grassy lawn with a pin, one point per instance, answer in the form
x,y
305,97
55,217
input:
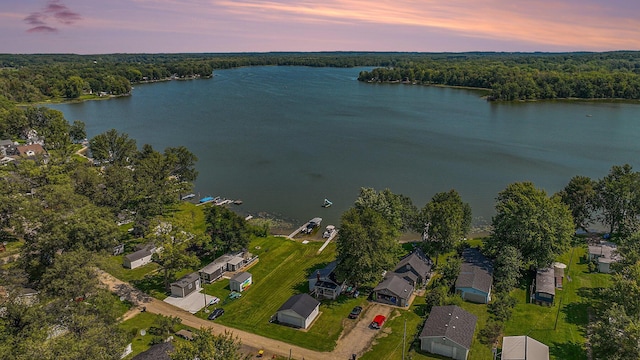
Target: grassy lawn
x,y
113,265
282,272
144,321
562,326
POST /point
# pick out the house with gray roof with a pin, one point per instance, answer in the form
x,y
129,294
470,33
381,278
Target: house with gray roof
x,y
393,290
323,283
476,277
448,331
523,348
299,311
415,268
545,287
138,258
604,253
186,285
156,352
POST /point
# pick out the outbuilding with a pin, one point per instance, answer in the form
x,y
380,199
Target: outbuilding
x,y
448,331
240,281
299,311
523,348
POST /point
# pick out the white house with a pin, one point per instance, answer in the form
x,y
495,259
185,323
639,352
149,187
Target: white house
x,y
138,258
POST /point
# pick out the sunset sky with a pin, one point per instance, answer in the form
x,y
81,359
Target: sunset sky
x,y
152,26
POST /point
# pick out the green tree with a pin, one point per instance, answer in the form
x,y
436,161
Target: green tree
x,y
228,230
616,336
366,246
72,276
77,131
538,226
73,87
580,196
444,221
207,346
174,254
397,209
507,269
113,147
618,200
181,163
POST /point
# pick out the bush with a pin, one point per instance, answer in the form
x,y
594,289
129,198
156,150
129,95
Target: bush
x,y
490,333
501,306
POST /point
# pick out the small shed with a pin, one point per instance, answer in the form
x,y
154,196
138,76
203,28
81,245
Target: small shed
x,y
604,254
448,331
299,311
137,259
545,287
186,285
523,348
241,281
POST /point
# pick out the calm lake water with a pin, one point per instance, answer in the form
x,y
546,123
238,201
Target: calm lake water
x,y
284,138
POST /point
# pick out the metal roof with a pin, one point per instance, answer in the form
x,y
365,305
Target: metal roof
x,y
451,322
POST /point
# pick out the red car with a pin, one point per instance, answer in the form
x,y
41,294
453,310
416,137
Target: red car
x,y
378,321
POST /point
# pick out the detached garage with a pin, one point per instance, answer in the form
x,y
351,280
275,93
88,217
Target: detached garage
x,y
448,331
299,311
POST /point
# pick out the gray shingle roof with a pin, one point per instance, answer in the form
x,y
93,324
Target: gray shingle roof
x,y
476,271
241,276
396,284
301,304
545,281
186,280
138,255
156,352
451,322
324,272
418,261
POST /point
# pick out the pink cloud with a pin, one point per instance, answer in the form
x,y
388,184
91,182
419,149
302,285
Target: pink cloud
x,y
42,29
35,19
56,9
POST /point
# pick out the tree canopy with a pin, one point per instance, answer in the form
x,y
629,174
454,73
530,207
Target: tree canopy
x,y
538,226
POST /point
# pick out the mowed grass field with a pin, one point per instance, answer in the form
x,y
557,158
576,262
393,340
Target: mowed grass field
x,y
281,272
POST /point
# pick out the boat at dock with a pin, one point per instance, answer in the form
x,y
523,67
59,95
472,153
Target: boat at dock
x,y
188,196
312,224
206,199
328,231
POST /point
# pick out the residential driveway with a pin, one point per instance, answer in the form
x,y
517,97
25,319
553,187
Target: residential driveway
x,y
357,339
192,303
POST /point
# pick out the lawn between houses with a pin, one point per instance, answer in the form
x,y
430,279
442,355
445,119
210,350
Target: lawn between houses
x,y
282,272
566,338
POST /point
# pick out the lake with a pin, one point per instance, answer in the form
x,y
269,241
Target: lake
x,y
283,139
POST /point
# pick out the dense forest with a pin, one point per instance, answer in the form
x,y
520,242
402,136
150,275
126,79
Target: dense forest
x,y
612,75
508,76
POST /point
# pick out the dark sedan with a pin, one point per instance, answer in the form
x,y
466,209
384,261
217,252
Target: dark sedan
x,y
216,313
355,312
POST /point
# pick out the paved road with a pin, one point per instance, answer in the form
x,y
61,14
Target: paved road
x,y
358,340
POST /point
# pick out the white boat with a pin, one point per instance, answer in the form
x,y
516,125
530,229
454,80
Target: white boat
x,y
328,231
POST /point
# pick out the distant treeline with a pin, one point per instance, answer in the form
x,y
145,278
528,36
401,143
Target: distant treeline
x,y
32,78
524,76
508,76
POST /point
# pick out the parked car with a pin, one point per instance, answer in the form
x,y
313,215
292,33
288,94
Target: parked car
x,y
216,313
355,312
214,300
378,321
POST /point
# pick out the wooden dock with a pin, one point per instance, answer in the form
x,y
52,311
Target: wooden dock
x,y
333,235
295,232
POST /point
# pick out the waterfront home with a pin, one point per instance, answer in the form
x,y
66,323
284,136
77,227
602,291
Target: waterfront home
x,y
475,278
545,287
415,268
323,283
604,254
